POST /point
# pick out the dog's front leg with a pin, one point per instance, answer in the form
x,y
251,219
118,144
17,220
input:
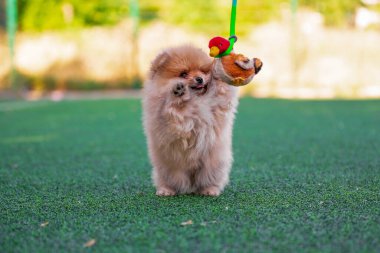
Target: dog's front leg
x,y
180,93
175,112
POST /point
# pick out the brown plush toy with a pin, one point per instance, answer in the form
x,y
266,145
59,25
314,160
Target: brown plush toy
x,y
234,69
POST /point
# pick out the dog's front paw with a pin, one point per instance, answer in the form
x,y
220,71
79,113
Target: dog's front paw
x,y
179,90
210,191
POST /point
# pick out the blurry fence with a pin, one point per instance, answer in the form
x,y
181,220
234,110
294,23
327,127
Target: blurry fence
x,y
301,60
2,15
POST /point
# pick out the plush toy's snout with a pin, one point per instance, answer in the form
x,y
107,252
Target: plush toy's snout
x,y
258,65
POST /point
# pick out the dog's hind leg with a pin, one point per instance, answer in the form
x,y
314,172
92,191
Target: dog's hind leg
x,y
214,174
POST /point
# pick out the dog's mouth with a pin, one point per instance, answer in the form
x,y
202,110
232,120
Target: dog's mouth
x,y
198,86
201,88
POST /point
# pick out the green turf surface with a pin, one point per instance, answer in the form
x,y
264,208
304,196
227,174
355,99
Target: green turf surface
x,y
306,178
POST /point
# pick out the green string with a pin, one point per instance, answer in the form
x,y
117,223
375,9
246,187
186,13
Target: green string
x,y
233,37
233,18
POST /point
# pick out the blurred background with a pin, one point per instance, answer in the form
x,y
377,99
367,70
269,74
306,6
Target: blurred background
x,y
310,48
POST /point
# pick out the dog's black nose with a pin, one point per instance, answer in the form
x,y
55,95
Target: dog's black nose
x,y
199,79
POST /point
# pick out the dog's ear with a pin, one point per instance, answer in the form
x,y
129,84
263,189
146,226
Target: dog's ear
x,y
159,62
206,68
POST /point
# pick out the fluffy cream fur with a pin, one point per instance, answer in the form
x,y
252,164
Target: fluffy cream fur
x,y
188,125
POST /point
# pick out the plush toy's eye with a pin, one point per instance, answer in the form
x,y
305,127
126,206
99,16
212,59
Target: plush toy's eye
x,y
183,74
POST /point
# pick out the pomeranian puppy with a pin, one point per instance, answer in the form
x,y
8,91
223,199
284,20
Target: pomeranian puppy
x,y
188,116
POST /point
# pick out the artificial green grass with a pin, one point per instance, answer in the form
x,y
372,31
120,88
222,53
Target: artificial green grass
x,y
306,178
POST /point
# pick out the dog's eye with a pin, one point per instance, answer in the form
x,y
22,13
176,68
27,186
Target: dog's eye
x,y
183,74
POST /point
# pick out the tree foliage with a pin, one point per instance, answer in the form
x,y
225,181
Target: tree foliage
x,y
335,12
37,15
210,16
